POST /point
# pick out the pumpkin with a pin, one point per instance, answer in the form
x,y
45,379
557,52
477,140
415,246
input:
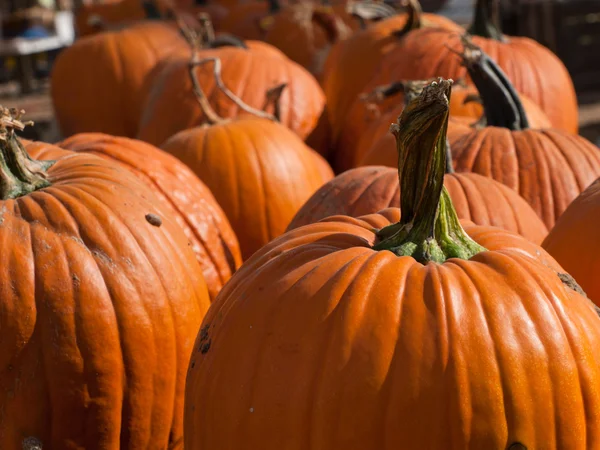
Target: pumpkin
x,y
352,62
94,18
96,83
201,37
171,105
101,299
337,336
367,190
573,240
258,170
533,69
377,147
363,128
548,167
187,199
243,19
306,32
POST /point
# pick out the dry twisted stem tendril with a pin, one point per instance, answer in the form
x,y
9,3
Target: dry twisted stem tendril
x,y
273,97
201,96
10,120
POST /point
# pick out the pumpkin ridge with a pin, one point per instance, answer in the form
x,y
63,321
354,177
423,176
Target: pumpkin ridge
x,y
540,96
261,179
566,328
539,148
365,191
323,355
235,171
93,253
459,182
240,90
514,211
168,301
184,217
550,135
121,74
513,140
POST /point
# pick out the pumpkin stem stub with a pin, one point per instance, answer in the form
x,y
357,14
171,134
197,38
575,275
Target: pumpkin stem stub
x,y
31,443
429,229
414,21
19,174
486,22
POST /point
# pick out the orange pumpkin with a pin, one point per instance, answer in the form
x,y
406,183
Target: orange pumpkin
x,y
94,18
548,167
306,32
96,83
363,128
187,199
335,323
533,69
352,62
573,241
476,198
201,40
171,105
101,299
258,170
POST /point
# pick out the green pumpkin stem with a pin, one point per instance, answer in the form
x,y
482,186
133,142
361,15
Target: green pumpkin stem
x,y
501,103
414,21
19,174
429,229
486,22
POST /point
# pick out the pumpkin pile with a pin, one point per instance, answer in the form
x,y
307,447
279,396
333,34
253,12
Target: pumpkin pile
x,y
274,224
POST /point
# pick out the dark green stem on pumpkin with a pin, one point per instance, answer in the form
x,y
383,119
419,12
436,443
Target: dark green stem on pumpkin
x,y
429,229
151,10
414,19
19,174
274,6
486,22
501,103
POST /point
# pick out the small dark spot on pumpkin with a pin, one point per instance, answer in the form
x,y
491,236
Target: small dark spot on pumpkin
x,y
204,332
193,364
570,282
75,279
205,348
154,220
10,367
